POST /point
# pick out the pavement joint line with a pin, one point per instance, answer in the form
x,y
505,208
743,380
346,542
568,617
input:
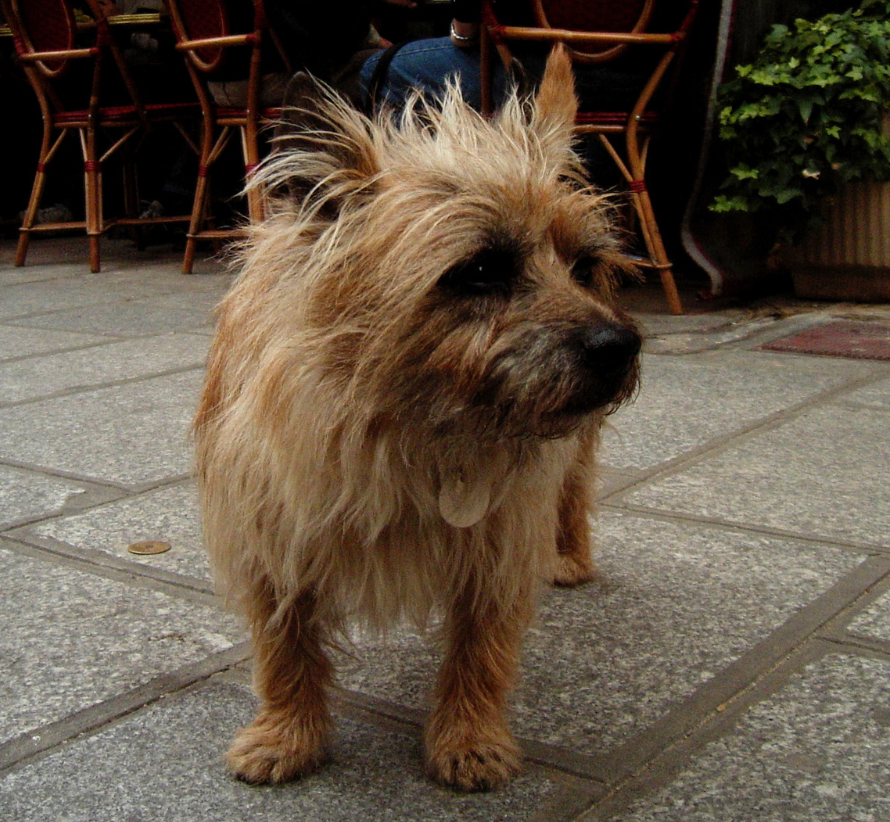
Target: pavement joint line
x,y
673,760
566,803
15,319
102,386
785,327
66,475
880,409
659,770
108,339
838,630
735,681
103,495
39,355
92,496
571,793
128,490
114,568
698,455
43,740
666,515
410,721
745,333
849,643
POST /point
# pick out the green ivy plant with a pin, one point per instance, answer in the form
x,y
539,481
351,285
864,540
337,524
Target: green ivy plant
x,y
807,115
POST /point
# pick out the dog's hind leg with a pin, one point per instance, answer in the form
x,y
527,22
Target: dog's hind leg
x,y
573,563
469,745
291,675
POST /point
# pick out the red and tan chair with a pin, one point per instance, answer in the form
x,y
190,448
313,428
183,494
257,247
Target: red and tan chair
x,y
67,64
204,35
599,32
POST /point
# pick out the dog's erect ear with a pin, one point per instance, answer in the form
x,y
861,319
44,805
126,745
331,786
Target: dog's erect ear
x,y
556,104
321,144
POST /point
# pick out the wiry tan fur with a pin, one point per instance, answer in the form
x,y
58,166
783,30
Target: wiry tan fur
x,y
359,403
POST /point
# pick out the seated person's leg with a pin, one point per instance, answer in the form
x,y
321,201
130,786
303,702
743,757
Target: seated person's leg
x,y
428,65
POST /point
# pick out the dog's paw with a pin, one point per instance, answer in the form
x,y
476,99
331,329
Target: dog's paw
x,y
479,766
271,751
570,570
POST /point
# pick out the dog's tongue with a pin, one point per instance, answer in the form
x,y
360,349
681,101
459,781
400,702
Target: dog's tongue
x,y
463,500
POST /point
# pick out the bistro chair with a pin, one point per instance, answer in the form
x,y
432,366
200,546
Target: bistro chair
x,y
207,34
609,33
83,87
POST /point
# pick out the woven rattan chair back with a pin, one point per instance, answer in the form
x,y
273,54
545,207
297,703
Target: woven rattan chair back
x,y
207,38
67,65
599,32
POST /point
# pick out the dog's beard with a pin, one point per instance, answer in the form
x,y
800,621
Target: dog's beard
x,y
555,396
495,414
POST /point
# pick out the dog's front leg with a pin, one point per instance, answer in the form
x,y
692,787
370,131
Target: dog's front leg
x,y
573,563
291,674
469,745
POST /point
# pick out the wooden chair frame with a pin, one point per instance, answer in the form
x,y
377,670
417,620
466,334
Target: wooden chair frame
x,y
203,56
128,123
630,130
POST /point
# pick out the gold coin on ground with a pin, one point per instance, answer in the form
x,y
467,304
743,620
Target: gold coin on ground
x,y
151,546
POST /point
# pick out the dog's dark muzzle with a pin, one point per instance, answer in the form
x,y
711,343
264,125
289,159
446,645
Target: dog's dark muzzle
x,y
607,355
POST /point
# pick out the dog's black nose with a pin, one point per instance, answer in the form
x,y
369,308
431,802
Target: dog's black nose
x,y
608,348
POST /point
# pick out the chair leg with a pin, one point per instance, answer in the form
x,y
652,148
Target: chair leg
x,y
634,173
30,213
21,250
199,207
93,215
655,247
250,151
188,259
211,147
92,186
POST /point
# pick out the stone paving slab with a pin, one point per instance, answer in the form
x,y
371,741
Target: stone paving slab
x,y
874,396
26,342
52,298
874,621
815,475
166,514
676,603
9,275
165,763
819,749
147,316
71,639
26,495
50,374
130,435
689,401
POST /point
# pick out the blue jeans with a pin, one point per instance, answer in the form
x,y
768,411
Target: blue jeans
x,y
427,64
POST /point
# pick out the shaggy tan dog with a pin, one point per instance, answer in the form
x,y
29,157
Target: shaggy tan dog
x,y
402,405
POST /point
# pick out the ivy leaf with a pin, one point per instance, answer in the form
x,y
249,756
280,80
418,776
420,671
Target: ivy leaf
x,y
743,172
806,109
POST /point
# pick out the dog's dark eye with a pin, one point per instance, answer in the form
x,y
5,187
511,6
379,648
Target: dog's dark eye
x,y
584,271
492,271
